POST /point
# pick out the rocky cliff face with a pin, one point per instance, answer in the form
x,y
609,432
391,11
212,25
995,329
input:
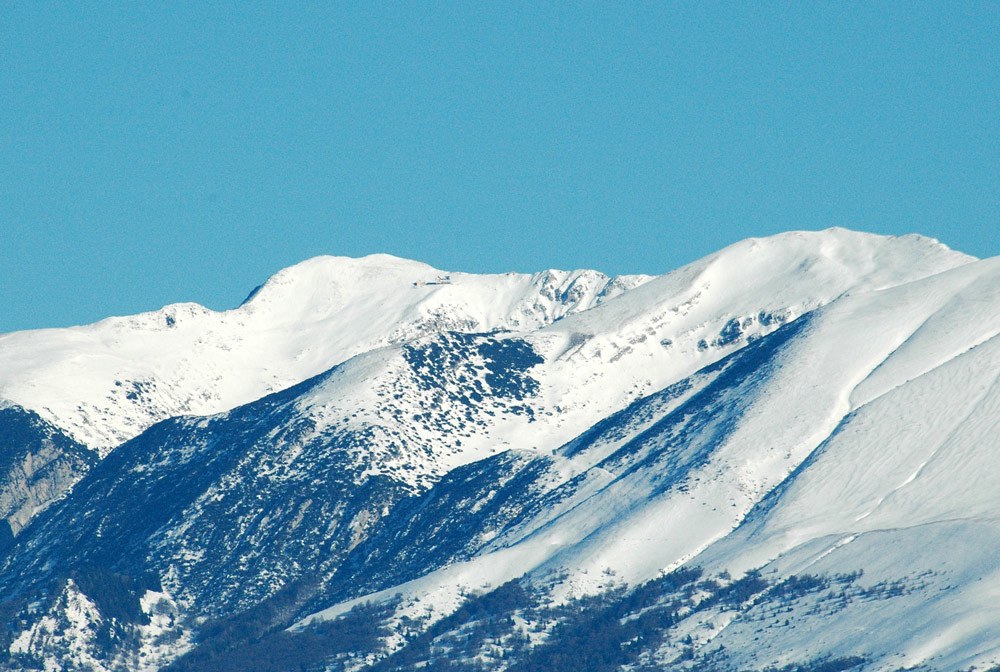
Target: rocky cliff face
x,y
38,465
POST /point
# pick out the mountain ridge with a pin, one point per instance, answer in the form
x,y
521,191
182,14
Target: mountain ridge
x,y
734,458
270,336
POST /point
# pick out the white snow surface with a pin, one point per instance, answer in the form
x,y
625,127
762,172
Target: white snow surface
x,y
66,637
106,382
868,443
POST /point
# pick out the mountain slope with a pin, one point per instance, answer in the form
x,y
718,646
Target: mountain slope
x,y
812,406
659,495
38,464
606,341
105,383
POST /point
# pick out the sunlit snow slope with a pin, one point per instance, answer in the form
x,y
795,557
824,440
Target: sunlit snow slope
x,y
106,382
857,441
821,407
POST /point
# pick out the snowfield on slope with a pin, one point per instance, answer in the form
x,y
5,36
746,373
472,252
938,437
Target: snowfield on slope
x,y
821,404
105,383
841,453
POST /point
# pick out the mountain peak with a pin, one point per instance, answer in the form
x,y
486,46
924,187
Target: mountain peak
x,y
324,270
302,321
802,426
311,316
330,273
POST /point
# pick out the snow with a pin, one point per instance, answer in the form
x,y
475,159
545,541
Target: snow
x,y
602,359
69,631
867,442
944,613
863,436
67,636
106,382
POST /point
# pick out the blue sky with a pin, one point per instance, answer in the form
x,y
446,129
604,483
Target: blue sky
x,y
164,152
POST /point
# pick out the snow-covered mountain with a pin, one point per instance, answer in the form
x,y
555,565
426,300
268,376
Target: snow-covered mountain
x,y
779,455
105,383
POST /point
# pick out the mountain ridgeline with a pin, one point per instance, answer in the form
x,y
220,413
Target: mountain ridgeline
x,y
781,457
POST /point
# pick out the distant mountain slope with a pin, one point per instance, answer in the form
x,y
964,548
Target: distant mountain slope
x,y
106,382
780,456
874,417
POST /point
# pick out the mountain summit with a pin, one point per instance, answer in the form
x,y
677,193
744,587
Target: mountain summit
x,y
780,456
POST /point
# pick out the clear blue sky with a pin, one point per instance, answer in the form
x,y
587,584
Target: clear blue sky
x,y
160,152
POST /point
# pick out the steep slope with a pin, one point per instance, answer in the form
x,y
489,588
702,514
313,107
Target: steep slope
x,y
107,382
662,427
902,492
877,416
285,485
38,464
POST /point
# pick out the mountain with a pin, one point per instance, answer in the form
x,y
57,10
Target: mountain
x,y
107,382
779,456
38,464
